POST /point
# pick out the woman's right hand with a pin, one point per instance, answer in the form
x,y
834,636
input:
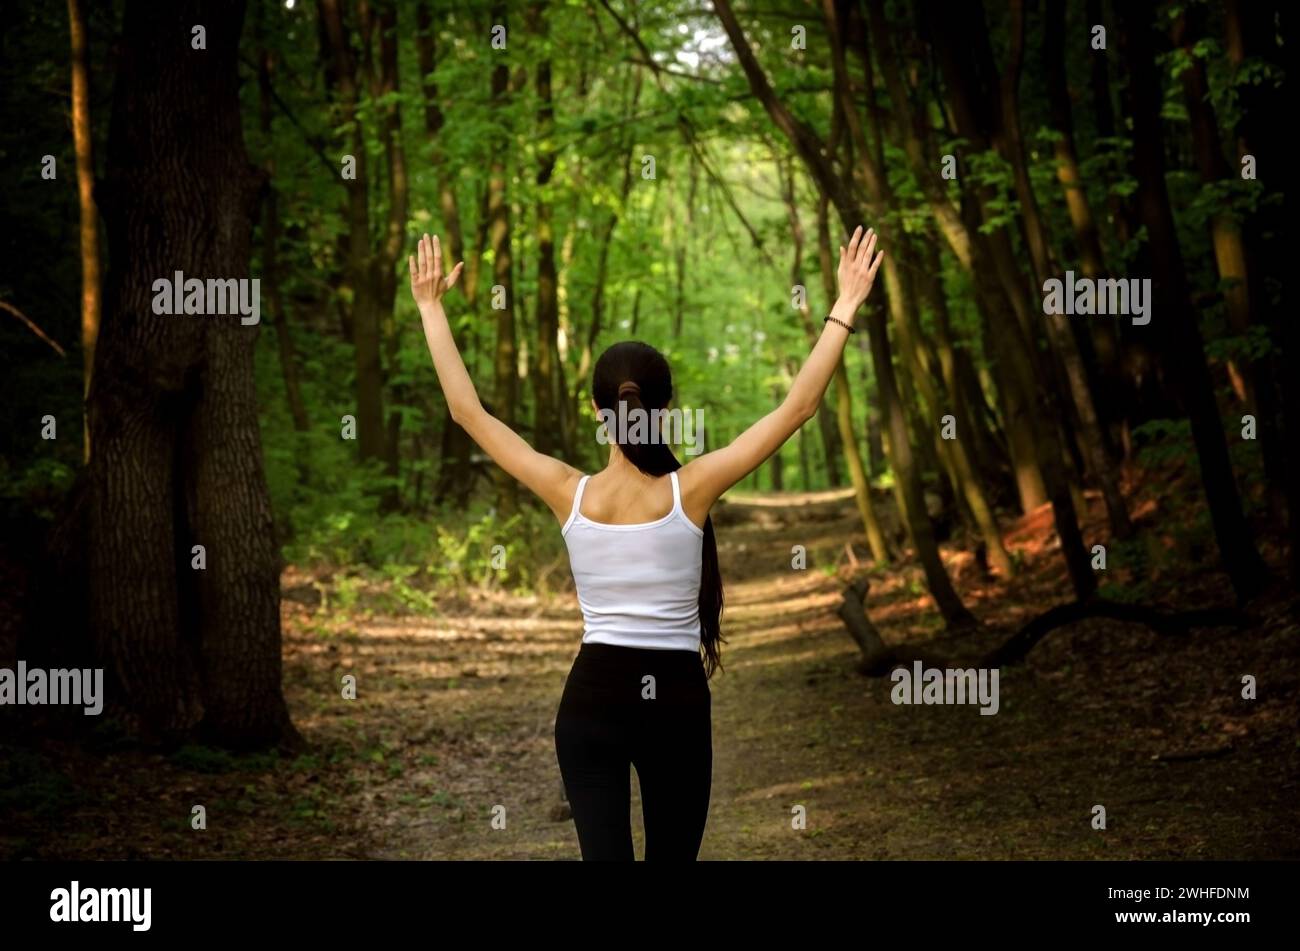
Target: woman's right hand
x,y
428,285
858,266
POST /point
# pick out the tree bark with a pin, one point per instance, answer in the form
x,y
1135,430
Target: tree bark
x,y
177,459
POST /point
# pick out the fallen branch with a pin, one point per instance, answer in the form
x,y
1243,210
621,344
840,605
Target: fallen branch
x,y
1187,756
32,326
879,658
1162,622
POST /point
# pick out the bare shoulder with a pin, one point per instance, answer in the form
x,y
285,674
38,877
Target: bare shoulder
x,y
698,494
560,500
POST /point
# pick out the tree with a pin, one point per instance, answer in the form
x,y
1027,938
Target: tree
x,y
907,486
1174,320
89,222
176,457
369,260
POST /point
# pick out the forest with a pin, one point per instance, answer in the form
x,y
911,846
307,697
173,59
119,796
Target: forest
x,y
1063,444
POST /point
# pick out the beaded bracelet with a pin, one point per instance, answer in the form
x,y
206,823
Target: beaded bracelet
x,y
849,327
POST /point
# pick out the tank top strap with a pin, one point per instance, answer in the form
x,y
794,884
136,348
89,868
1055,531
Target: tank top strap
x,y
577,502
677,493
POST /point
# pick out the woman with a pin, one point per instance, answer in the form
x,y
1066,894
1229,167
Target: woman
x,y
647,581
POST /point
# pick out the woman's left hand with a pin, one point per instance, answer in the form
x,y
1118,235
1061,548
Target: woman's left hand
x,y
428,284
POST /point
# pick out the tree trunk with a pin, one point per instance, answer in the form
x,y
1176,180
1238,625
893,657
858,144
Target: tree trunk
x,y
84,144
907,482
848,439
1104,469
1252,36
454,474
177,459
549,389
840,193
833,446
959,226
363,314
1086,235
271,258
1250,379
1178,332
392,247
506,352
952,453
976,112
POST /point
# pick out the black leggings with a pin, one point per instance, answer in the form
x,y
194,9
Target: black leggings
x,y
608,722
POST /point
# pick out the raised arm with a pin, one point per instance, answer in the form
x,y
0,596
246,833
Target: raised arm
x,y
552,480
703,480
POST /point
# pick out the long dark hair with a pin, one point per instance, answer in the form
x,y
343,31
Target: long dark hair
x,y
633,362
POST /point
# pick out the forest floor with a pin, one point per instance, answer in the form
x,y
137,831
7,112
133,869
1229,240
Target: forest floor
x,y
452,726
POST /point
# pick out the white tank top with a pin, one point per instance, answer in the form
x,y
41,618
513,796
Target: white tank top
x,y
638,585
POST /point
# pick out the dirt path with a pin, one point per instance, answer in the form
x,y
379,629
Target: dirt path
x,y
452,727
458,716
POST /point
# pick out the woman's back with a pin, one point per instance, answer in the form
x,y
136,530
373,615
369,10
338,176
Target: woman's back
x,y
638,582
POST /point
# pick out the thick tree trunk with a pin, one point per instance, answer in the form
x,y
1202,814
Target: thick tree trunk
x,y
1174,321
177,460
1252,36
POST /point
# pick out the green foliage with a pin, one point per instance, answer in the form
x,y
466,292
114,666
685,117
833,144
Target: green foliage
x,y
209,759
37,487
1160,442
989,169
1255,344
29,783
